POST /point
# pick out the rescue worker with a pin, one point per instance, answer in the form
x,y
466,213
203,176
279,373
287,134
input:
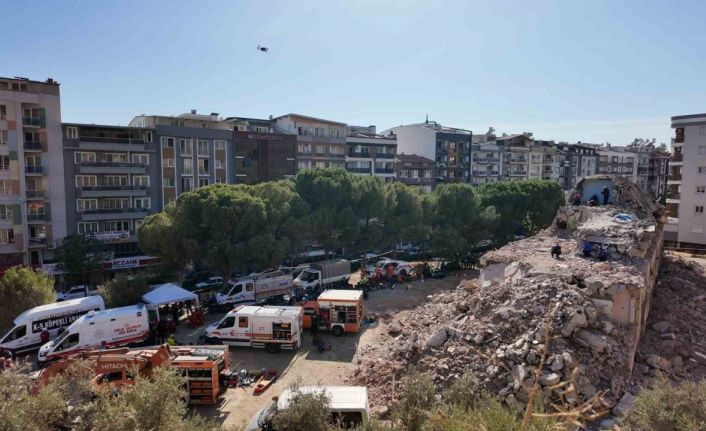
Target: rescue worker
x,y
556,251
587,249
606,195
171,341
314,325
390,272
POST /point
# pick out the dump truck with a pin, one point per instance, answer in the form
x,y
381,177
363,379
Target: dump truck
x,y
202,366
324,274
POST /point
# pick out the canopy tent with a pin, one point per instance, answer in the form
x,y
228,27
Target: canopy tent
x,y
168,293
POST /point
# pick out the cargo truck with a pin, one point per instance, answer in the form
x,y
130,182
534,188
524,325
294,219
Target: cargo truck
x,y
324,274
252,290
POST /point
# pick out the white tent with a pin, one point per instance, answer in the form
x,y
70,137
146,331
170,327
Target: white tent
x,y
168,293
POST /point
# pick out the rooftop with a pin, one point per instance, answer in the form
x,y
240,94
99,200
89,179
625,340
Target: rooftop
x,y
304,117
413,158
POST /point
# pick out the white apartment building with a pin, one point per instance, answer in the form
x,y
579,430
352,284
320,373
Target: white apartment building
x,y
369,153
32,203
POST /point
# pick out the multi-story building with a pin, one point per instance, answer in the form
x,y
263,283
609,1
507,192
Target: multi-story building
x,y
320,143
32,202
262,152
686,194
369,153
195,150
486,163
581,160
415,170
449,147
644,165
112,183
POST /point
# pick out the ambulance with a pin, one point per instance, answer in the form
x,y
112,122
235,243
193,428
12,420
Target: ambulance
x,y
115,327
272,328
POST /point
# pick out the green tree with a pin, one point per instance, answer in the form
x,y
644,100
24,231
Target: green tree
x,y
78,257
369,205
329,194
460,221
22,288
404,216
157,236
122,291
305,411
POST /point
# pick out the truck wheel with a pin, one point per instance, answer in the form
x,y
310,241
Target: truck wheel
x,y
337,331
272,347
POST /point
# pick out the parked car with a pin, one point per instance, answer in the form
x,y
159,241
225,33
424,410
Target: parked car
x,y
74,292
399,266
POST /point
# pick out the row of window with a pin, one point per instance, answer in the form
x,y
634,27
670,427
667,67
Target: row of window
x,y
186,146
415,173
90,157
321,149
112,180
86,227
308,164
187,183
187,165
112,203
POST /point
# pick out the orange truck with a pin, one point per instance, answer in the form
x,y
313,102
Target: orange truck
x,y
339,311
202,366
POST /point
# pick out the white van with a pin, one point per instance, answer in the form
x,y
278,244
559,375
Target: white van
x,y
28,326
273,328
348,406
252,290
116,326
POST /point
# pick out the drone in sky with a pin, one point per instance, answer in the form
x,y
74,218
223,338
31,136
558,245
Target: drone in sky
x,y
263,49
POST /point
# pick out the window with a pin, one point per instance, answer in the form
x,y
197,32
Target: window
x,y
242,322
115,203
203,182
147,136
220,180
87,227
699,209
5,212
320,164
86,204
86,181
220,145
141,180
263,129
336,149
3,112
84,157
304,164
169,182
169,162
141,158
187,166
187,184
7,236
203,167
68,342
202,147
4,163
186,147
228,322
167,142
319,149
115,157
115,180
142,203
219,164
701,189
3,137
117,225
304,148
72,133
138,223
5,187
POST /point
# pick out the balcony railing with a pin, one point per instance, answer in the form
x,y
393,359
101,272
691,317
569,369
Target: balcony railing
x,y
33,121
37,241
359,170
109,140
36,217
384,155
33,145
677,157
113,164
34,169
517,173
674,177
35,194
384,170
107,187
360,154
114,210
673,195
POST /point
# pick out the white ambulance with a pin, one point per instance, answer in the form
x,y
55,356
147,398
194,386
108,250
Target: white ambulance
x,y
26,333
116,327
273,328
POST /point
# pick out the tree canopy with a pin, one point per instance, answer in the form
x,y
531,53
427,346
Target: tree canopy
x,y
78,256
22,288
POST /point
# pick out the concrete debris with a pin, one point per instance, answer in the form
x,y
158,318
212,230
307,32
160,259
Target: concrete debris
x,y
625,405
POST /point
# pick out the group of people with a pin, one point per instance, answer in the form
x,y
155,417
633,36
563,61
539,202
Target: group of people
x,y
587,250
593,202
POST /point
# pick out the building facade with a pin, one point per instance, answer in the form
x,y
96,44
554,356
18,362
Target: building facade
x,y
686,193
581,161
32,201
194,150
262,152
111,183
449,147
369,153
320,143
415,170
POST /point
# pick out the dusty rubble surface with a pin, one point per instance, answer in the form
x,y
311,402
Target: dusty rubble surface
x,y
674,343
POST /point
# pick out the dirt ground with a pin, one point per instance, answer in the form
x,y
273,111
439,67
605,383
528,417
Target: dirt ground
x,y
306,365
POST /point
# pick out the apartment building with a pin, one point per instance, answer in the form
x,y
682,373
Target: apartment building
x,y
320,143
581,160
449,147
32,201
686,193
644,165
486,163
195,150
369,153
111,182
415,170
262,151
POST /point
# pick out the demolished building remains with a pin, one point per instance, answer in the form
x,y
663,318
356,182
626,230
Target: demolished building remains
x,y
596,302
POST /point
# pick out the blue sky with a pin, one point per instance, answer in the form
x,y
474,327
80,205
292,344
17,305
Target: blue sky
x,y
592,71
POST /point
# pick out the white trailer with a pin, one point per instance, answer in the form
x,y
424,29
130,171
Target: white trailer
x,y
253,289
115,327
26,334
273,328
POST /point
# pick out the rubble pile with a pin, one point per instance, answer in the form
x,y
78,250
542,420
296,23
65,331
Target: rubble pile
x,y
674,343
494,327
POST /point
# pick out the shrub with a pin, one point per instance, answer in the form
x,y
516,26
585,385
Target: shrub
x,y
122,291
463,392
671,408
22,288
417,398
306,411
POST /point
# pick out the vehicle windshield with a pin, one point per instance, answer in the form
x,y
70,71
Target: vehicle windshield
x,y
309,276
61,334
225,289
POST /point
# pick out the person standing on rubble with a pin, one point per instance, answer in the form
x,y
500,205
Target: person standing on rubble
x,y
556,251
606,195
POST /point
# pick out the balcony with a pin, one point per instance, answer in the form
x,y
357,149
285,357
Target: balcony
x,y
677,157
33,122
36,218
674,177
112,213
34,170
101,143
480,173
37,242
384,170
113,191
517,173
104,167
35,194
32,146
112,236
360,170
516,161
384,155
360,154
